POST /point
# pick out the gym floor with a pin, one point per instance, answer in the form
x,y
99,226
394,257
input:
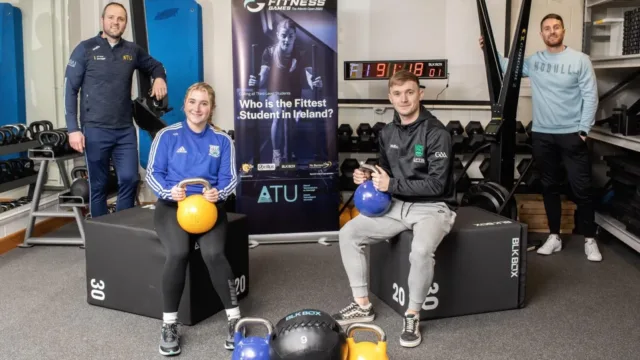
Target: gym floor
x,y
575,309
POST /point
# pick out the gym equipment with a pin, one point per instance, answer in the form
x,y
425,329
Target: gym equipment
x,y
500,133
459,141
531,178
80,188
484,167
461,178
12,87
308,334
365,138
480,266
366,350
253,347
344,138
475,134
377,127
50,141
347,168
129,280
371,202
196,215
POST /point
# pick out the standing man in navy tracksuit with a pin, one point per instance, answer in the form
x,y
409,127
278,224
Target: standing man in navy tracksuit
x,y
103,68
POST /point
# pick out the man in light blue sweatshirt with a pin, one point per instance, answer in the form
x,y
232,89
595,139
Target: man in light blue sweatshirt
x,y
565,100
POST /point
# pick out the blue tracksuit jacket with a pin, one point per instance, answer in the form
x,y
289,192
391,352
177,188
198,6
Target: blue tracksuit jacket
x,y
105,75
179,153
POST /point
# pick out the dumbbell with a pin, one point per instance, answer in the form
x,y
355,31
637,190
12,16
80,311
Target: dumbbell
x,y
344,137
462,180
365,137
459,141
347,168
532,178
377,127
475,133
485,167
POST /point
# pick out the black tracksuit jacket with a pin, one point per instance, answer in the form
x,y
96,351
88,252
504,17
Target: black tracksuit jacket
x,y
419,160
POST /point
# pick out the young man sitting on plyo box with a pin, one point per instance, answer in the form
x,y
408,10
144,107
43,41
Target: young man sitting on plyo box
x,y
416,168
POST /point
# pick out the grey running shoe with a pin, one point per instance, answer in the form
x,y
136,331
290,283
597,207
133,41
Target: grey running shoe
x,y
411,336
169,340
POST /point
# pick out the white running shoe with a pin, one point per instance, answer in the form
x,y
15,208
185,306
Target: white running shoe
x,y
553,244
591,250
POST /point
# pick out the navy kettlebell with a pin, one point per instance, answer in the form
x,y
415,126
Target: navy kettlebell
x,y
252,347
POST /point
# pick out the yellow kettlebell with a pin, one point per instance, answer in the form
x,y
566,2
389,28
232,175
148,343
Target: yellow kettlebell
x,y
196,215
366,350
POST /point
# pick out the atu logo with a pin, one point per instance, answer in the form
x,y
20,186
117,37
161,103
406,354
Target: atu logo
x,y
254,6
274,193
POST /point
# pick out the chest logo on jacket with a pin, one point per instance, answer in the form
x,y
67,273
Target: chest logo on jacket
x,y
127,57
214,151
418,150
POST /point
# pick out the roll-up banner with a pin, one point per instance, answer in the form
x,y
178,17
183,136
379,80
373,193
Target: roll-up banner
x,y
285,69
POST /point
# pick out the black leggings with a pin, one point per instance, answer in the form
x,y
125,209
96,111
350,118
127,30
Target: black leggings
x,y
178,245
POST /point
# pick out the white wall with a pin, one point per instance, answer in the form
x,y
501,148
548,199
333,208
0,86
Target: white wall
x,y
52,28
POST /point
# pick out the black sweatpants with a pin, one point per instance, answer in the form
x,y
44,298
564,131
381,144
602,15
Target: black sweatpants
x,y
549,152
179,243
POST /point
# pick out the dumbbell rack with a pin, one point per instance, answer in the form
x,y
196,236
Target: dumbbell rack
x,y
45,157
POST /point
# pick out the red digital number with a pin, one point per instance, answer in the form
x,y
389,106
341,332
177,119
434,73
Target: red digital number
x,y
382,69
396,67
439,72
419,69
432,72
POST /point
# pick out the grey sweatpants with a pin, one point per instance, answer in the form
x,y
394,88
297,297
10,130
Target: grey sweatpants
x,y
430,222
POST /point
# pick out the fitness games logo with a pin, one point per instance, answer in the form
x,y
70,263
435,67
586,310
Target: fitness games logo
x,y
515,257
255,6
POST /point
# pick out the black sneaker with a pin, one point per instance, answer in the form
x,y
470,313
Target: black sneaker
x,y
354,314
169,340
229,343
411,336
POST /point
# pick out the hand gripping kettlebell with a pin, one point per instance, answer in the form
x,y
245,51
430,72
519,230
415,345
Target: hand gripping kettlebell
x,y
196,215
252,347
366,350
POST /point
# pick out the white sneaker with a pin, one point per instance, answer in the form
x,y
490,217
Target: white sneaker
x,y
553,244
591,250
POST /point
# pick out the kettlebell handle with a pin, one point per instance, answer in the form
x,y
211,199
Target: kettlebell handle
x,y
368,167
252,320
194,181
368,327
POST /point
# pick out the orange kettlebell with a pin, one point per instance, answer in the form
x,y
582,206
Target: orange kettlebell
x,y
196,215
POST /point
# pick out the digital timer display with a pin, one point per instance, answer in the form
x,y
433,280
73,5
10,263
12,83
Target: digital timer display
x,y
384,69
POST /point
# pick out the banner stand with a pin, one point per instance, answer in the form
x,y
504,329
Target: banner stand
x,y
285,68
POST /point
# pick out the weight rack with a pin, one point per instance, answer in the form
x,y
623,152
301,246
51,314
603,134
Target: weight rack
x,y
45,157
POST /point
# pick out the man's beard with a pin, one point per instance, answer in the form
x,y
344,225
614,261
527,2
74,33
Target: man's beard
x,y
555,41
113,34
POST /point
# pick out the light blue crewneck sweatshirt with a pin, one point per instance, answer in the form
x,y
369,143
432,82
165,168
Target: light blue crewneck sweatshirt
x,y
564,91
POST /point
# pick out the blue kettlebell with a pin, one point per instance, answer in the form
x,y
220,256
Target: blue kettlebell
x,y
371,202
252,347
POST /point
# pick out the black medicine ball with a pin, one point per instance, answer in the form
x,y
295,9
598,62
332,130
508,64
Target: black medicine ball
x,y
308,334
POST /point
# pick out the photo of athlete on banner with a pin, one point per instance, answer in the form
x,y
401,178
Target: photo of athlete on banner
x,y
283,67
